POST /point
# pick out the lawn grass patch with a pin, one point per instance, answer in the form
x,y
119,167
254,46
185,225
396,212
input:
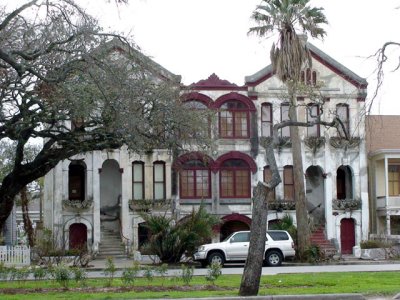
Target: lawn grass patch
x,y
367,283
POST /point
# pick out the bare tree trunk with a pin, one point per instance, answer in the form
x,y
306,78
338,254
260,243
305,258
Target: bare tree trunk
x,y
303,230
252,271
250,283
25,217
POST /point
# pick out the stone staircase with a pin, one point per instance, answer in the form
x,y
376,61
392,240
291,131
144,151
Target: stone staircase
x,y
111,245
326,246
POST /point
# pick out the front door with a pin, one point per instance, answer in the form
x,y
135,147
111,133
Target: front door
x,y
77,236
347,236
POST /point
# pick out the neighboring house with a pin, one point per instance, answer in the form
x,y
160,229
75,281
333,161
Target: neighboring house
x,y
383,144
113,183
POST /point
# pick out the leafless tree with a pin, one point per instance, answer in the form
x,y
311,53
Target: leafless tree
x,y
66,82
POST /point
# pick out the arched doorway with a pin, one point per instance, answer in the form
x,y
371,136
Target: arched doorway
x,y
315,191
77,236
347,235
233,223
110,195
344,183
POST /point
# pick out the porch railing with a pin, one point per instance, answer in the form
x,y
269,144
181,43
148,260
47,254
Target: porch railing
x,y
15,255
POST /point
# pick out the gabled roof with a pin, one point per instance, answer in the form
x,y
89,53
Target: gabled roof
x,y
324,59
141,59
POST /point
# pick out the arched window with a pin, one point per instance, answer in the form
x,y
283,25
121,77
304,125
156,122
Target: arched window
x,y
137,180
288,183
267,177
200,108
266,119
344,183
235,179
234,119
342,112
76,180
285,131
309,77
195,180
159,180
313,115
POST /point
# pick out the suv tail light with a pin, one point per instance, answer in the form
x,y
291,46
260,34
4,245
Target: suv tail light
x,y
293,245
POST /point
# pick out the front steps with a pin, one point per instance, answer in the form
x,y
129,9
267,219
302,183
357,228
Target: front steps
x,y
111,245
318,238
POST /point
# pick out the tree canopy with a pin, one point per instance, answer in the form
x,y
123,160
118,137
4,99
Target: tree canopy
x,y
75,88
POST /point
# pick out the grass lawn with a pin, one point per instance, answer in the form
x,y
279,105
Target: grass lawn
x,y
367,283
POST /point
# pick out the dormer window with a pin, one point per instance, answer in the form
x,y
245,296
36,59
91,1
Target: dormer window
x,y
309,77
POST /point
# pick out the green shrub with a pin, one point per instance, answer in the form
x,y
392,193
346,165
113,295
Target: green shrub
x,y
22,274
187,274
213,272
171,238
62,275
370,244
148,273
39,273
12,273
130,274
80,275
4,271
110,270
313,254
162,271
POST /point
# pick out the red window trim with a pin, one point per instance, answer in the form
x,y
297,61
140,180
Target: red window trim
x,y
195,196
235,169
234,135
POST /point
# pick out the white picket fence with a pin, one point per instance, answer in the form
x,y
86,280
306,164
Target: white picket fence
x,y
15,255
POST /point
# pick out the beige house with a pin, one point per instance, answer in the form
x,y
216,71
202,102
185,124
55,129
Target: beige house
x,y
383,144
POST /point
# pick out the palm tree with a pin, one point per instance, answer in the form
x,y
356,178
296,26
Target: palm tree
x,y
289,55
287,18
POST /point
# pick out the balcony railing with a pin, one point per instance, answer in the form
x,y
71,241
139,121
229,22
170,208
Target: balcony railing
x,y
346,204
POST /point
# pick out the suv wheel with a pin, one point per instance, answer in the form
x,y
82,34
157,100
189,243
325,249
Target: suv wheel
x,y
216,257
273,258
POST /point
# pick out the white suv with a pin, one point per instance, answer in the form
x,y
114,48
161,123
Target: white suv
x,y
278,246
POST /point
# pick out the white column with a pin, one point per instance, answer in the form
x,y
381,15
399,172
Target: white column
x,y
363,174
126,181
96,163
329,182
387,197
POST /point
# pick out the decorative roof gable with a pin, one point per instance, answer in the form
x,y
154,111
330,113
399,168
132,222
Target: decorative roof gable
x,y
213,82
324,59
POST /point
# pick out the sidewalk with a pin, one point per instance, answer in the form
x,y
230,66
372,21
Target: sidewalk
x,y
120,263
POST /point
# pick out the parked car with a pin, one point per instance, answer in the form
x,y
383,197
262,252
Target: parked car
x,y
278,247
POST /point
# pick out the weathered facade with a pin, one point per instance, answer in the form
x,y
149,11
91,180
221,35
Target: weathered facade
x,y
113,183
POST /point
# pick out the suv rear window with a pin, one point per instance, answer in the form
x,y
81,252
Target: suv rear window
x,y
278,235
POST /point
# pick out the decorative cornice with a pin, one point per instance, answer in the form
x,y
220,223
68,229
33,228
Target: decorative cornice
x,y
213,82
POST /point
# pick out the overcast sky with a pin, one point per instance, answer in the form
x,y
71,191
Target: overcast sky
x,y
195,38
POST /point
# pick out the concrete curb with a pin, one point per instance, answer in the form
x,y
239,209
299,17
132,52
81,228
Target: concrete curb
x,y
288,297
